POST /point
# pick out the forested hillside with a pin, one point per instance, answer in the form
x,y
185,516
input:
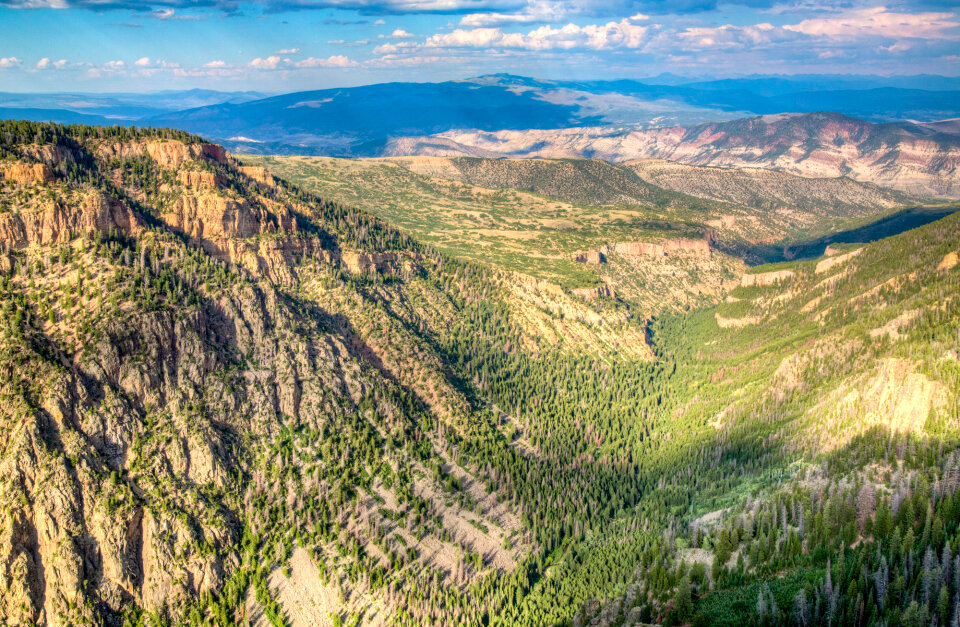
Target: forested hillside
x,y
231,401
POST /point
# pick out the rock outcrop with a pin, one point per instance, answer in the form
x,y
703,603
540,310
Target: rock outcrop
x,y
199,180
57,223
685,246
833,261
209,217
366,262
49,154
169,154
28,173
258,174
766,278
592,257
592,293
949,261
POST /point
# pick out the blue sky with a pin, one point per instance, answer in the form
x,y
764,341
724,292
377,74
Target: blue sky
x,y
291,45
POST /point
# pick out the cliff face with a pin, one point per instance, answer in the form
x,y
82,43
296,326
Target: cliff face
x,y
195,378
258,174
684,246
28,174
167,154
55,222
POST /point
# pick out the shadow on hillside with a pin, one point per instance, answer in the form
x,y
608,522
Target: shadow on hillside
x,y
877,229
885,226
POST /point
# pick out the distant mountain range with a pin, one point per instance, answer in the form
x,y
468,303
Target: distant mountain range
x,y
112,108
368,120
919,159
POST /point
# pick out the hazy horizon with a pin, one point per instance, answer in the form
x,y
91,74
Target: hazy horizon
x,y
274,46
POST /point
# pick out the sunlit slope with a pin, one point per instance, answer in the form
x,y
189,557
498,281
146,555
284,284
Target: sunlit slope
x,y
823,397
863,338
555,239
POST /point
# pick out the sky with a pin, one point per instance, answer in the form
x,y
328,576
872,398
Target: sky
x,y
277,46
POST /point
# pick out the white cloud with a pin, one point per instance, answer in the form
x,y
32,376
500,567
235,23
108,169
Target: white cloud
x,y
289,51
113,66
879,22
730,36
401,34
391,60
900,46
47,63
535,11
142,62
9,62
622,34
386,49
270,63
171,14
479,20
379,23
276,62
337,60
215,65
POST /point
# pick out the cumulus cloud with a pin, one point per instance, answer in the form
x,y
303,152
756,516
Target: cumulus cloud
x,y
142,62
535,11
730,36
622,34
880,22
10,62
479,20
46,63
276,62
337,60
401,34
289,51
218,64
270,63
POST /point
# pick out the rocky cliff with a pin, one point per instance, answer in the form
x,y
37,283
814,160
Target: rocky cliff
x,y
196,378
903,156
685,246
